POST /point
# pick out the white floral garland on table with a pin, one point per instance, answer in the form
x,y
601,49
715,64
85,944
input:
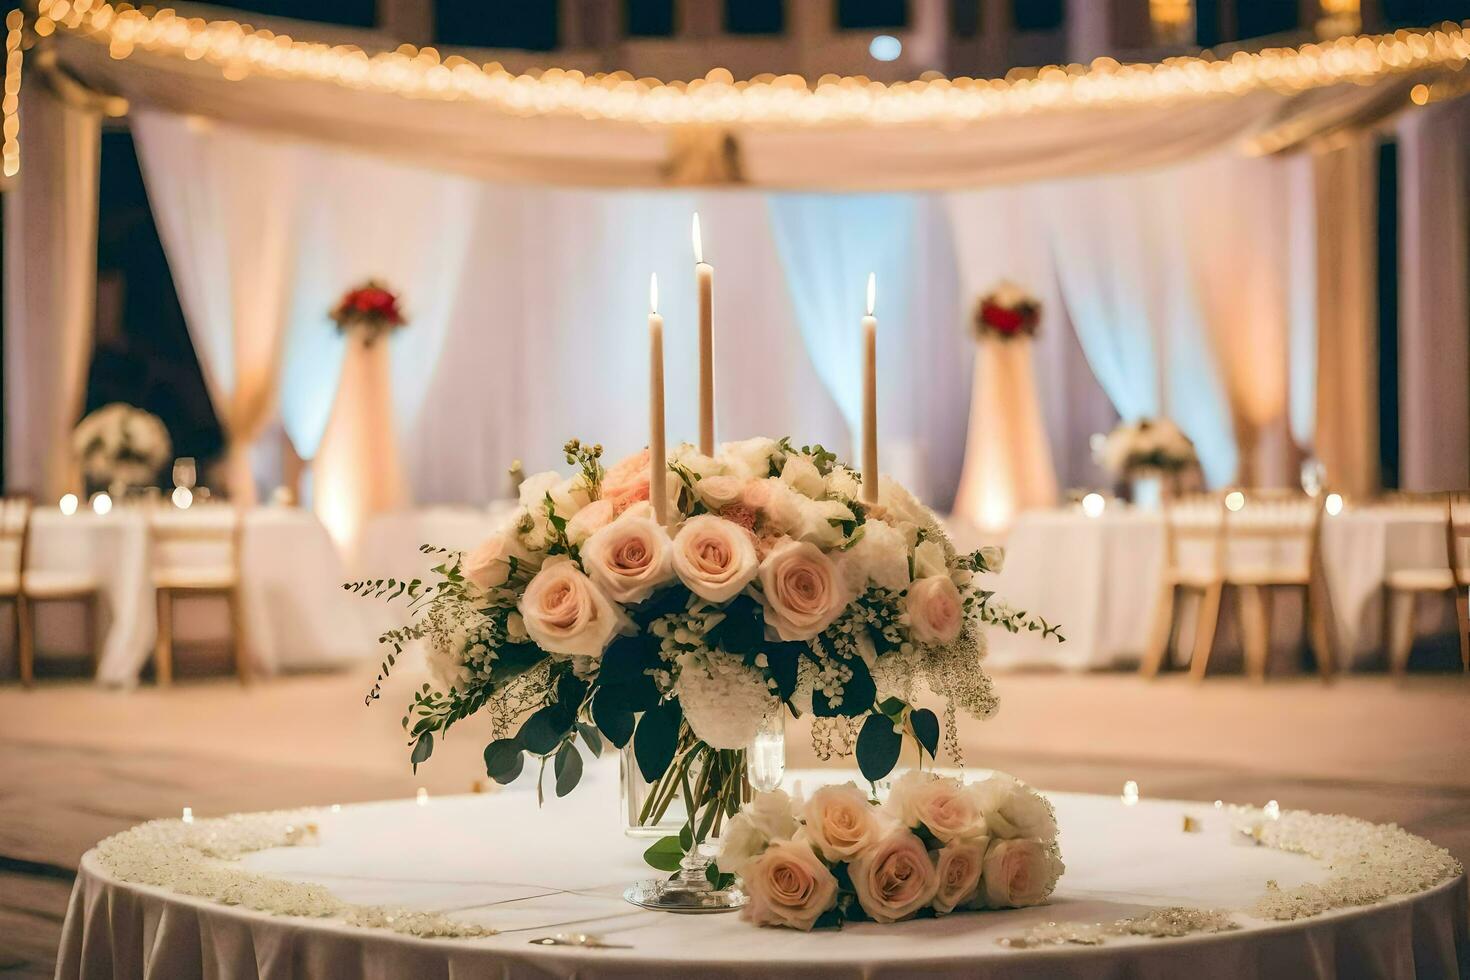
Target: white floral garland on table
x,y
1369,863
192,858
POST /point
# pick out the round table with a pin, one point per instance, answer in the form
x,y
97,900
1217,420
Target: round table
x,y
498,860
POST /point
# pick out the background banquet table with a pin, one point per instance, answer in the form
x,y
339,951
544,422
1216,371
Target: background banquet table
x,y
1100,578
499,860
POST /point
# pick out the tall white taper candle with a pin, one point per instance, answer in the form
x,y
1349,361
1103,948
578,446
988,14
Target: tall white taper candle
x,y
870,399
704,277
658,466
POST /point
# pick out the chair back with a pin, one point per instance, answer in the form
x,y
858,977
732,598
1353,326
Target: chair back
x,y
201,544
15,527
1194,535
1457,537
1274,537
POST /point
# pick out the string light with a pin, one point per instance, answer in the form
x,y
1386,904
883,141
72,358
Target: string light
x,y
10,102
240,51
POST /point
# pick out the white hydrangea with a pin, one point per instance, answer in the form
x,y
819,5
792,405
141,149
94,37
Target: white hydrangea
x,y
749,459
724,699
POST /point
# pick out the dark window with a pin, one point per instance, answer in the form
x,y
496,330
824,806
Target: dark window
x,y
1207,23
353,13
1388,314
1258,18
964,18
527,24
1422,13
755,16
143,355
867,14
1038,15
650,18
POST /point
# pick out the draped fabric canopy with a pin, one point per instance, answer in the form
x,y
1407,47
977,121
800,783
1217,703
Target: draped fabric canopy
x,y
527,304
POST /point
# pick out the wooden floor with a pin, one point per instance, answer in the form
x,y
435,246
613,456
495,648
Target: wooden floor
x,y
78,763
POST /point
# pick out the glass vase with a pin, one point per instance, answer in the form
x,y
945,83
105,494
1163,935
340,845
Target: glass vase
x,y
661,810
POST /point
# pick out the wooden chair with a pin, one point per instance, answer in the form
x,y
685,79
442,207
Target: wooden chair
x,y
194,559
1290,521
1187,520
1402,588
1456,530
30,587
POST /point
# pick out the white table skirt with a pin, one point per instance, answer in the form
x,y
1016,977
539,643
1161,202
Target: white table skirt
x,y
296,614
1100,578
500,861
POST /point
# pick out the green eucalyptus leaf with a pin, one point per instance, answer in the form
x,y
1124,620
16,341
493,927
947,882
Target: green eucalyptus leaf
x,y
665,854
504,760
615,722
878,746
656,739
422,749
590,738
926,729
568,768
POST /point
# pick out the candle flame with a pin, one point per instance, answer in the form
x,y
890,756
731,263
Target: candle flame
x,y
698,242
653,293
872,291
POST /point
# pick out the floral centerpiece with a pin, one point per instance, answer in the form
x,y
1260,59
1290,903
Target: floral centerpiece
x,y
371,308
937,845
1147,447
772,587
1006,312
120,446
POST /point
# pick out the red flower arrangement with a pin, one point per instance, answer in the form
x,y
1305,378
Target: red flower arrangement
x,y
371,307
1007,312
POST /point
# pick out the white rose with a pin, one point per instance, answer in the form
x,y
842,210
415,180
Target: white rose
x,y
881,556
695,462
489,565
821,522
929,559
589,520
801,474
535,487
566,613
777,503
1018,873
749,459
714,557
720,490
1013,809
843,482
935,610
901,507
959,865
629,558
767,817
993,557
801,589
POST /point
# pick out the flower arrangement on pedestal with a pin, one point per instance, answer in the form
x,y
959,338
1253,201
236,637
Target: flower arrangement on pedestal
x,y
120,446
370,308
770,586
1146,447
1006,312
936,845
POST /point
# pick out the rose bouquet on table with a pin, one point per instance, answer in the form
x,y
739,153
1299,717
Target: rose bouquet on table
x,y
121,446
1006,312
370,308
771,587
1146,447
936,845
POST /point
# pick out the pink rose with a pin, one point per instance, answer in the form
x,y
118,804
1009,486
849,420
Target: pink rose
x,y
894,878
788,885
629,558
490,565
840,822
1018,873
566,613
714,558
948,808
959,865
589,520
802,590
627,476
935,610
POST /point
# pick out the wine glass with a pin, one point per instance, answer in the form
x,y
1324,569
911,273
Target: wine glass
x,y
185,473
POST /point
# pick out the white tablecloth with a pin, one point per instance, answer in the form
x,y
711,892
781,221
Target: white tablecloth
x,y
500,861
1100,577
296,614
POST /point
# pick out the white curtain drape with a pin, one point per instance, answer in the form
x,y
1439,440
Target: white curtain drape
x,y
50,291
1434,297
225,203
